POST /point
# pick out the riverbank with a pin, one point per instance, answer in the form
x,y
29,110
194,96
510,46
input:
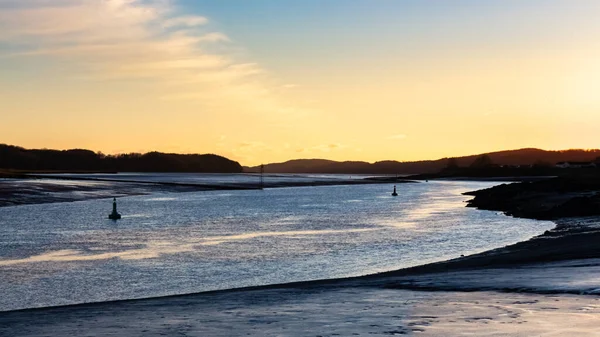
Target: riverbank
x,y
550,199
520,290
330,311
39,189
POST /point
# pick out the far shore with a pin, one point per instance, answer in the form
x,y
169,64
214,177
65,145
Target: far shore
x,y
25,188
40,189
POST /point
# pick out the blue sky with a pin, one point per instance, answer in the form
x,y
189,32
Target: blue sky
x,y
333,31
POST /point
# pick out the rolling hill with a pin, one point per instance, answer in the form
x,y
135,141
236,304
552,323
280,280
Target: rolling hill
x,y
528,156
18,158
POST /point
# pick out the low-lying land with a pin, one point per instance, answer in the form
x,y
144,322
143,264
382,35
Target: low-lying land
x,y
322,311
31,189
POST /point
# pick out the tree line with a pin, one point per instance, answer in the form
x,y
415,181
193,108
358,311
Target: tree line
x,y
18,158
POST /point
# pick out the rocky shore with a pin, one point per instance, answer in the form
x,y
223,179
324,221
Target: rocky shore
x,y
550,199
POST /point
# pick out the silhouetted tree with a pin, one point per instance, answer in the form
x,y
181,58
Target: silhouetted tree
x,y
13,157
483,161
542,164
452,164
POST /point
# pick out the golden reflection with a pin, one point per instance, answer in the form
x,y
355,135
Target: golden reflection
x,y
155,249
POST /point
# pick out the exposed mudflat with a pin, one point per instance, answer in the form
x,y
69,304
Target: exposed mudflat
x,y
320,311
49,190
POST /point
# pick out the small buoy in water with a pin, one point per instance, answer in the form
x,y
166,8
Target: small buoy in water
x,y
394,194
114,215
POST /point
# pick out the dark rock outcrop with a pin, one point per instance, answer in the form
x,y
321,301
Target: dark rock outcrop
x,y
572,196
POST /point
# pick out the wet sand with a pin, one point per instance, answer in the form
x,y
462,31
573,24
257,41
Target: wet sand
x,y
321,312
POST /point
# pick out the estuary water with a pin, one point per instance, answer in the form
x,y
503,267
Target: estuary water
x,y
221,179
178,243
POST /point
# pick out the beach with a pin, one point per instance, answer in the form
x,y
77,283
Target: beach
x,y
545,286
321,311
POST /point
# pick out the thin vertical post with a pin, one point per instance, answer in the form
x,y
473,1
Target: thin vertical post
x,y
262,179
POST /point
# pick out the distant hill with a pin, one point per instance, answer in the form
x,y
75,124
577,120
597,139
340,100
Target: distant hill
x,y
514,157
18,158
313,166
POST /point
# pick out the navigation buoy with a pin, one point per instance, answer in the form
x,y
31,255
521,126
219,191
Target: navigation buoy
x,y
114,215
394,194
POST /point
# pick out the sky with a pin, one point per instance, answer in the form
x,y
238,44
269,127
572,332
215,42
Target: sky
x,y
263,81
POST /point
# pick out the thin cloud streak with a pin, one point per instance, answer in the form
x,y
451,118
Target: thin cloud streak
x,y
186,21
114,40
398,137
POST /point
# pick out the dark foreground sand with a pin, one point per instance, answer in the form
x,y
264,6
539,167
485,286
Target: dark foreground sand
x,y
543,287
321,311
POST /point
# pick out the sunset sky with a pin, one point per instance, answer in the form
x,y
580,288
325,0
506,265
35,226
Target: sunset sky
x,y
271,80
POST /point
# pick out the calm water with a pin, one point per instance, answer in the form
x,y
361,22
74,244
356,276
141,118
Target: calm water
x,y
213,178
64,253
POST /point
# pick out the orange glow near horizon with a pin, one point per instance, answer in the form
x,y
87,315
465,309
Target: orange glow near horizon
x,y
440,81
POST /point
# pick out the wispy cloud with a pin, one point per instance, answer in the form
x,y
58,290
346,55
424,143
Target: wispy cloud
x,y
328,147
247,150
252,145
185,21
399,136
111,40
67,21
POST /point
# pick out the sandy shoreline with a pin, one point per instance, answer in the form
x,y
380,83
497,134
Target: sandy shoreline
x,y
328,311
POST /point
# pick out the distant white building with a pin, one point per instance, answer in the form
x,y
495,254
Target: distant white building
x,y
575,164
